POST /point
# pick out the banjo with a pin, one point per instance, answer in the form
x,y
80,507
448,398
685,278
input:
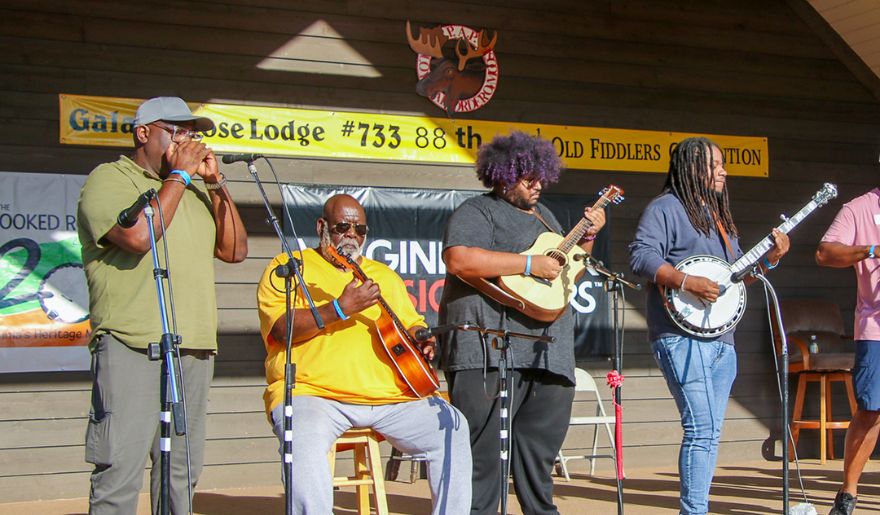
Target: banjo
x,y
706,320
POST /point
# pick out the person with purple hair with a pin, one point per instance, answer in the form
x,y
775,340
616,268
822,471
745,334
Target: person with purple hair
x,y
483,239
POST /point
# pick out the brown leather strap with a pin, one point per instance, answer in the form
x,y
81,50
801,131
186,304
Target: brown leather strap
x,y
541,218
724,237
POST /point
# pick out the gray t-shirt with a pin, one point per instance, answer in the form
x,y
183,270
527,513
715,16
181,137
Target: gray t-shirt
x,y
492,223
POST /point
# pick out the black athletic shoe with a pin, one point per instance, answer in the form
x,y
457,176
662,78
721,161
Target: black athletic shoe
x,y
844,504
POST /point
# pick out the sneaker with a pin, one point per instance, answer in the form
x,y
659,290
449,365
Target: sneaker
x,y
844,504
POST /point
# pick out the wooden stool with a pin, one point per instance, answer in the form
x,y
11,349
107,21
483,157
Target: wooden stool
x,y
824,423
818,352
367,468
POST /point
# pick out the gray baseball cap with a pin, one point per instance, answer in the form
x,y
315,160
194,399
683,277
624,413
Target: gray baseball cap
x,y
170,109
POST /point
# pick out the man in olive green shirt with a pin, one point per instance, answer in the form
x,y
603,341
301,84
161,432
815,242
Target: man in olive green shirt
x,y
201,222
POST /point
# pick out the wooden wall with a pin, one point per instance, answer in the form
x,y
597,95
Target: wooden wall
x,y
751,67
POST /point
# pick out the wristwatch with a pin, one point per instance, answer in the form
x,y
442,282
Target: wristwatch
x,y
216,185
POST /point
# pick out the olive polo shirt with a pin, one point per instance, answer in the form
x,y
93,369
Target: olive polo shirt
x,y
122,291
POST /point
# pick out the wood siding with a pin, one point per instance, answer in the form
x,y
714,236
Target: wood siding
x,y
751,67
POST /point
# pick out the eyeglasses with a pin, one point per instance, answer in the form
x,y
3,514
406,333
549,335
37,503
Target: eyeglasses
x,y
344,227
179,134
531,184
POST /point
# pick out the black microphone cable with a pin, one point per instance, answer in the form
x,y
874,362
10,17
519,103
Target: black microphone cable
x,y
788,437
289,218
290,307
181,382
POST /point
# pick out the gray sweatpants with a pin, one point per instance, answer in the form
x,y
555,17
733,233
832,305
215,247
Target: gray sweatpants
x,y
428,426
124,426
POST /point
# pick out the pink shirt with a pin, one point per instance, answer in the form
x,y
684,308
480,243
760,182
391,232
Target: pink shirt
x,y
858,223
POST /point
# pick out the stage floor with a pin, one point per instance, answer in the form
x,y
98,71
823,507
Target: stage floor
x,y
737,489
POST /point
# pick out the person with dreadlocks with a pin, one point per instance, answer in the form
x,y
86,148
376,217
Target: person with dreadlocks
x,y
482,240
692,216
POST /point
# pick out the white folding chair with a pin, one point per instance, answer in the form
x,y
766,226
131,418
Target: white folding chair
x,y
585,383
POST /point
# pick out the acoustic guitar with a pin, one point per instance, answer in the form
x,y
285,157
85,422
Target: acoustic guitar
x,y
538,298
401,347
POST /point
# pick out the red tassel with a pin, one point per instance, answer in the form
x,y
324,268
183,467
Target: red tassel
x,y
615,380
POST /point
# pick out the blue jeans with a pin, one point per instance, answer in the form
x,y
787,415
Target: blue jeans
x,y
699,375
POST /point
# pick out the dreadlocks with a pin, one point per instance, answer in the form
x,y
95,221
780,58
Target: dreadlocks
x,y
689,179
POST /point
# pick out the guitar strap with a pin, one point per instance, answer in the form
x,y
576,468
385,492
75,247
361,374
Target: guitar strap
x,y
541,218
724,237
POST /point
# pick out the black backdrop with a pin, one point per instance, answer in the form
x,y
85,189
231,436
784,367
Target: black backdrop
x,y
406,233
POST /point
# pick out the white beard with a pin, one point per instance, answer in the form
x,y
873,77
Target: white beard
x,y
346,246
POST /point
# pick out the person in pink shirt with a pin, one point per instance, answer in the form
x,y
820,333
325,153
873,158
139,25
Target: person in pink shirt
x,y
854,240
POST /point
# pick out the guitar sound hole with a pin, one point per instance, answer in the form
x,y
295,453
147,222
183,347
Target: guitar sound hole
x,y
398,349
558,256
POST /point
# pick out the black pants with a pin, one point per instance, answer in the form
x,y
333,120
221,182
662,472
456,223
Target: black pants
x,y
540,409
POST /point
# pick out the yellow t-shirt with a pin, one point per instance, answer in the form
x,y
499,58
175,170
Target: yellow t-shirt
x,y
346,361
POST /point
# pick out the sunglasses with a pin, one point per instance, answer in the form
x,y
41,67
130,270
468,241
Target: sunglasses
x,y
531,184
344,227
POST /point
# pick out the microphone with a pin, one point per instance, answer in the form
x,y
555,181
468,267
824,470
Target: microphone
x,y
739,276
129,216
288,269
234,158
588,259
426,333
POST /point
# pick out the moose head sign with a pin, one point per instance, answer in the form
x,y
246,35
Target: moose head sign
x,y
457,67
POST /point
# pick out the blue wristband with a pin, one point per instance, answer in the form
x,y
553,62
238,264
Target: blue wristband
x,y
768,265
528,265
871,251
183,174
342,316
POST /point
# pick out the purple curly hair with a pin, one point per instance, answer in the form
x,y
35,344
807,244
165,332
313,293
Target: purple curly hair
x,y
507,159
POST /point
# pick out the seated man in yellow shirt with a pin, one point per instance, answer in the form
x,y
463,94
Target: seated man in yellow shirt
x,y
344,378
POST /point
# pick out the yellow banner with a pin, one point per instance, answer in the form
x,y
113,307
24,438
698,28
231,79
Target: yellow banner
x,y
107,121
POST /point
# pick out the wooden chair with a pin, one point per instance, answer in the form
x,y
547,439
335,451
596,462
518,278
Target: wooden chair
x,y
805,319
417,465
367,468
585,383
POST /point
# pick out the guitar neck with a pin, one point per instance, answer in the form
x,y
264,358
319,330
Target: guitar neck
x,y
752,256
387,309
581,228
359,273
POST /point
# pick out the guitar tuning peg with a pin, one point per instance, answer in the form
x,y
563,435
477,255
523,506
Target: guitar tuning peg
x,y
783,218
618,200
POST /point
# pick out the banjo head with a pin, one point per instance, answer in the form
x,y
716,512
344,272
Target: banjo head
x,y
699,318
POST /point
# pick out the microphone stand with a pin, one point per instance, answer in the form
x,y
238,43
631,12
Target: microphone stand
x,y
502,343
783,345
614,283
287,271
170,397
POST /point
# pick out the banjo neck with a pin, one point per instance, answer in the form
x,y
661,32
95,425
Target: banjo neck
x,y
748,260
